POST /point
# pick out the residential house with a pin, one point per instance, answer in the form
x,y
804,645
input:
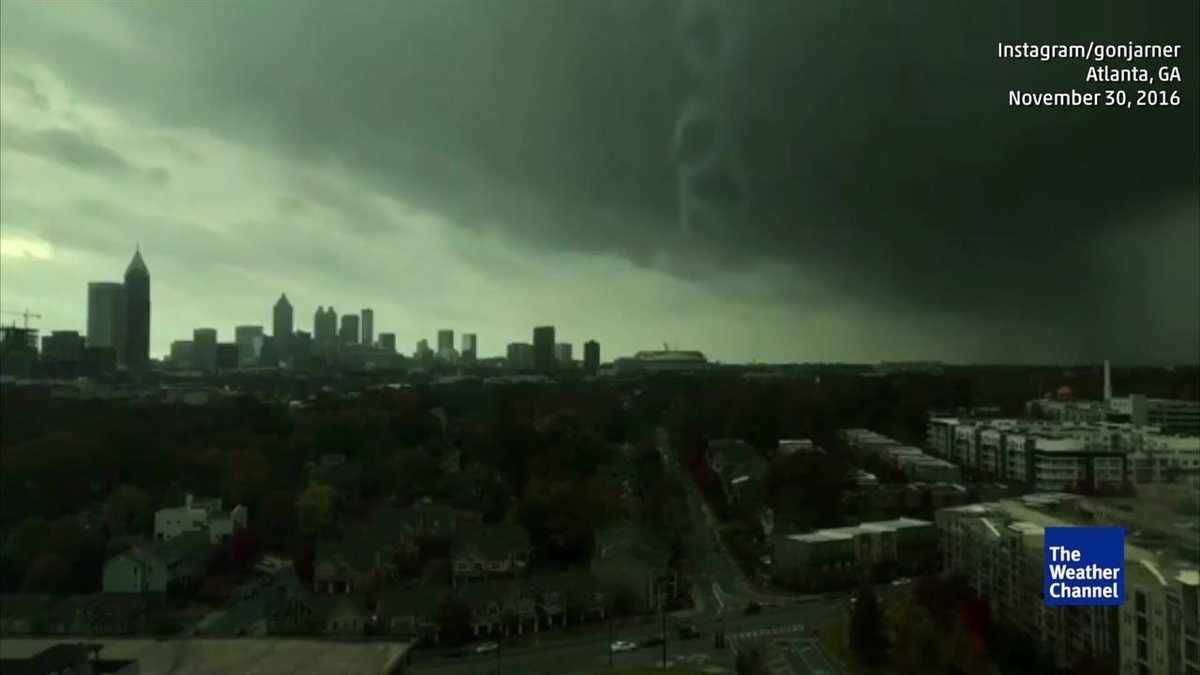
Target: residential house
x,y
501,606
633,562
162,566
489,551
199,515
98,614
345,615
277,604
410,612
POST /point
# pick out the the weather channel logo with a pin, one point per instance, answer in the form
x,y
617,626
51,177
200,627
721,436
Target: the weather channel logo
x,y
1085,566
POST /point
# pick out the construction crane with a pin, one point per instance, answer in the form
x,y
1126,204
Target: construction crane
x,y
26,315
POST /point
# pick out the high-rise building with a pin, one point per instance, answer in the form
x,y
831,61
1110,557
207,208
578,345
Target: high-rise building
x,y
181,354
520,356
368,327
302,348
249,341
227,356
325,329
387,341
445,344
282,326
468,346
137,313
562,353
543,348
204,349
591,356
106,316
423,352
348,334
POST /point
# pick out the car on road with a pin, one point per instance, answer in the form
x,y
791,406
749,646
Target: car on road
x,y
623,646
486,647
902,581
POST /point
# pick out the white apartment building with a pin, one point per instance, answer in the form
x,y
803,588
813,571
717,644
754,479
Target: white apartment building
x,y
998,548
1050,455
198,515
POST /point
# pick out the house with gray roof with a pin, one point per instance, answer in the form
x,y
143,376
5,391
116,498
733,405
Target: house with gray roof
x,y
489,551
159,566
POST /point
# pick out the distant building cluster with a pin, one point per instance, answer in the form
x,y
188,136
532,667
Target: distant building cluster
x,y
915,464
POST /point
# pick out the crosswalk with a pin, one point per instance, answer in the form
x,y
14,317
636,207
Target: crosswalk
x,y
761,633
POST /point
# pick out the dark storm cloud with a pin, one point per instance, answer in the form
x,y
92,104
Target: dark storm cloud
x,y
73,149
865,146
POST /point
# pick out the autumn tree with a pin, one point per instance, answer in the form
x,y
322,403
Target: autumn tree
x,y
316,510
128,510
868,638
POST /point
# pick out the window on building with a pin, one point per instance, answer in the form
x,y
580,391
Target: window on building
x,y
1141,601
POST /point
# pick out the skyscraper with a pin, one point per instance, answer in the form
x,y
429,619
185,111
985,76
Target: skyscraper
x,y
387,341
204,349
562,353
445,344
249,344
137,313
591,356
368,327
520,355
106,316
468,346
325,329
282,327
543,348
349,331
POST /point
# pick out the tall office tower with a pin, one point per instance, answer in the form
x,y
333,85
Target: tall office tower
x,y
468,346
445,343
349,330
181,354
562,353
591,356
137,313
282,326
325,328
302,348
106,316
387,341
543,348
423,352
249,344
227,356
204,349
368,327
519,355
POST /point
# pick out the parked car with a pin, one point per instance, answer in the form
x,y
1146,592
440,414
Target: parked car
x,y
485,647
688,632
623,646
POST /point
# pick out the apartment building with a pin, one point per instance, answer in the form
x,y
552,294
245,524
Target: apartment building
x,y
843,555
998,548
913,462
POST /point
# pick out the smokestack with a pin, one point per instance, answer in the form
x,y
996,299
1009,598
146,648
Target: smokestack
x,y
1107,383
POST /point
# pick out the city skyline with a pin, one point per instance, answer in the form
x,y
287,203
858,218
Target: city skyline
x,y
469,198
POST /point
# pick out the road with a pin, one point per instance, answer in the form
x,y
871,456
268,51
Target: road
x,y
588,652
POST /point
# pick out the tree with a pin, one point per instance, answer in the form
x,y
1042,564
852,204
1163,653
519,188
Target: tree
x,y
47,574
918,641
316,510
128,510
276,520
26,541
454,621
868,639
247,475
752,660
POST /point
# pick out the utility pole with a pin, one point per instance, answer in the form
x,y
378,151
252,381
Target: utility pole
x,y
610,639
662,610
